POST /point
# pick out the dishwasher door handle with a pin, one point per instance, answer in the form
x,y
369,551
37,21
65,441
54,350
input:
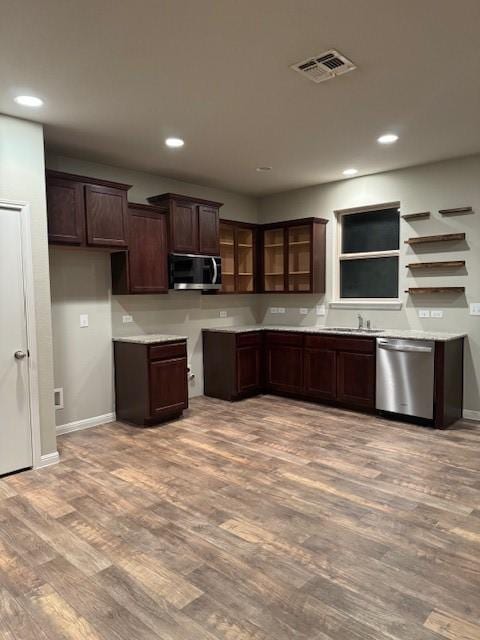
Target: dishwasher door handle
x,y
395,347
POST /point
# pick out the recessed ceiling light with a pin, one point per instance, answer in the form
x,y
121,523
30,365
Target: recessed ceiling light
x,y
350,172
387,138
174,142
29,101
263,169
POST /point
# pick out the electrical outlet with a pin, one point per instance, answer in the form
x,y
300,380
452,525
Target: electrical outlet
x,y
273,310
320,310
437,313
424,313
127,319
223,314
83,320
281,310
303,311
475,308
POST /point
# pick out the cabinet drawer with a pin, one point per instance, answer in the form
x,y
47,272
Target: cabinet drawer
x,y
249,339
340,343
281,337
164,351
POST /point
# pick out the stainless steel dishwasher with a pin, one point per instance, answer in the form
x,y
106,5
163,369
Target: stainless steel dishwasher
x,y
405,370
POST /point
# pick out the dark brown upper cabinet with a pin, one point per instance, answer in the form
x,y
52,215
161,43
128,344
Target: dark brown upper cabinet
x,y
193,223
143,268
85,211
66,211
293,256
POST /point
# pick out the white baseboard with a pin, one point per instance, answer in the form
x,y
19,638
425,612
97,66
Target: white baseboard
x,y
47,460
471,415
78,425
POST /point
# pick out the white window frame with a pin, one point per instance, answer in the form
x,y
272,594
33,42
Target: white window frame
x,y
364,303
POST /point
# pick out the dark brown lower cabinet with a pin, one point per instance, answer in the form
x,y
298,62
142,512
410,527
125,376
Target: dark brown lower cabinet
x,y
284,362
336,369
356,379
150,381
232,364
320,373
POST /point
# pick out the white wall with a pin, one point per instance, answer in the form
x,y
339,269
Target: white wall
x,y
452,183
81,283
22,178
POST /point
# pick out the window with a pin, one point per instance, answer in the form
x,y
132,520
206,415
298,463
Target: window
x,y
368,254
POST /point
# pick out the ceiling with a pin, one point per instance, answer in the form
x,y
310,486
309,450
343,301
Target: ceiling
x,y
117,78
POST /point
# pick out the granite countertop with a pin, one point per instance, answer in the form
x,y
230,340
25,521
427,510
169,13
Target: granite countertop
x,y
150,338
408,334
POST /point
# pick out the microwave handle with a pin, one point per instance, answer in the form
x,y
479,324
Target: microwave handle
x,y
215,271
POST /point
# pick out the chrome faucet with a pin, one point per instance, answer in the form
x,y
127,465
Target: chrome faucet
x,y
360,321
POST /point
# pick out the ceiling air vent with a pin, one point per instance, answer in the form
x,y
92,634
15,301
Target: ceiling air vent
x,y
324,66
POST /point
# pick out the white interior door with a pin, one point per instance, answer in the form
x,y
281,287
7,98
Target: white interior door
x,y
15,426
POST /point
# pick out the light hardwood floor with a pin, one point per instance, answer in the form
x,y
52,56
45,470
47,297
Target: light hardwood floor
x,y
265,519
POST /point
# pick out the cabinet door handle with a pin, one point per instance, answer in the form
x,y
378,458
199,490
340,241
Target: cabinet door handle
x,y
20,355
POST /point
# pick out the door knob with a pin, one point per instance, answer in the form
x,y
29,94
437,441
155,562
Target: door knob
x,y
20,355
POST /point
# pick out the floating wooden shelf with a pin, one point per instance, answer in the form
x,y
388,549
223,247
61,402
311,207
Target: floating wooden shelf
x,y
414,290
416,216
446,237
447,264
453,212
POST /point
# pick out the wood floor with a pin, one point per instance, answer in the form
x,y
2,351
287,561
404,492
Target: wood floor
x,y
265,519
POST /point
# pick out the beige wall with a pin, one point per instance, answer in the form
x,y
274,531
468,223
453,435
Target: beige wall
x,y
22,178
431,187
81,283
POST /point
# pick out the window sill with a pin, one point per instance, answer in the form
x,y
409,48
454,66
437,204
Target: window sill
x,y
366,304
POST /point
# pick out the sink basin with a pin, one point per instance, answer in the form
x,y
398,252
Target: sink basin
x,y
352,330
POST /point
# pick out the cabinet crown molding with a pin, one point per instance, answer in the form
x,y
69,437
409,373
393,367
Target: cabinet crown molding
x,y
50,173
161,198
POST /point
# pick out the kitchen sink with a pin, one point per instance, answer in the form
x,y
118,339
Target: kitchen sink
x,y
351,330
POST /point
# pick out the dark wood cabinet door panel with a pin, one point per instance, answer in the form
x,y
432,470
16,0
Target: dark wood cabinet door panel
x,y
284,366
320,373
65,211
248,369
184,227
148,253
356,379
208,231
106,211
168,386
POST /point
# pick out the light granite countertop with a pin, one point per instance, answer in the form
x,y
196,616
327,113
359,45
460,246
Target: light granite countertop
x,y
150,338
408,334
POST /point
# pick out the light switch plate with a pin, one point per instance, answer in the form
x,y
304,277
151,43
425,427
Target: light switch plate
x,y
437,313
475,308
223,314
320,310
281,310
83,320
424,313
303,311
273,310
127,319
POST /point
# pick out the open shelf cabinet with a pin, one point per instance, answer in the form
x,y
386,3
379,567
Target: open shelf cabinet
x,y
238,253
293,256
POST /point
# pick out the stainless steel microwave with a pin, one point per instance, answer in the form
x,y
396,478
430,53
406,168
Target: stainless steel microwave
x,y
190,271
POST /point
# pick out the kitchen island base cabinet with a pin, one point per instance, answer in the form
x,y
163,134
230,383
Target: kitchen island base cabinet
x,y
150,381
